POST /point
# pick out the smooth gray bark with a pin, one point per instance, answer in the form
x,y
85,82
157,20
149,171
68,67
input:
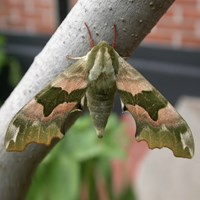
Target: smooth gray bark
x,y
134,20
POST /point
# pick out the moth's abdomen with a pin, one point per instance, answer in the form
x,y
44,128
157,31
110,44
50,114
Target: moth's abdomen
x,y
100,106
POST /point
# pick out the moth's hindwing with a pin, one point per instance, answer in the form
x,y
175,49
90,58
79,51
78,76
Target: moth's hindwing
x,y
51,111
157,121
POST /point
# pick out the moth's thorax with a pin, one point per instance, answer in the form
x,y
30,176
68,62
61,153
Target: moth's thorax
x,y
102,62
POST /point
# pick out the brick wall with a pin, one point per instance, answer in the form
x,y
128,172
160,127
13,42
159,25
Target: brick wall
x,y
179,27
28,16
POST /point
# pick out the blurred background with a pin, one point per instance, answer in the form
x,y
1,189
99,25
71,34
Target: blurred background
x,y
169,58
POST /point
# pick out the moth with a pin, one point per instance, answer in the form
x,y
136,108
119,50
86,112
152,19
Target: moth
x,y
93,80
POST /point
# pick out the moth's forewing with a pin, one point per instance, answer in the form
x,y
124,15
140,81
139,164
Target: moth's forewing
x,y
48,115
157,121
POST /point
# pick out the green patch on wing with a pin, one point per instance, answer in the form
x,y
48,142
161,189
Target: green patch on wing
x,y
23,130
176,137
51,97
151,101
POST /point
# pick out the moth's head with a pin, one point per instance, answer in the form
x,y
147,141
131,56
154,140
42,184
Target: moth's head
x,y
103,55
103,49
103,45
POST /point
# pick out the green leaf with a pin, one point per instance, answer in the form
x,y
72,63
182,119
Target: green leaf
x,y
59,175
15,72
56,178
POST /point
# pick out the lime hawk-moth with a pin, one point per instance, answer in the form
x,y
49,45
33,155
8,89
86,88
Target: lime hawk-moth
x,y
93,80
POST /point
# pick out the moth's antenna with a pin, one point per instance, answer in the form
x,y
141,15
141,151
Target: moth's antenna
x,y
90,36
115,36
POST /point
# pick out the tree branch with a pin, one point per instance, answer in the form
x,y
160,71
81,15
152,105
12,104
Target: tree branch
x,y
134,20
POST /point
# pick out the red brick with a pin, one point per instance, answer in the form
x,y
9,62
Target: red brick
x,y
155,39
161,32
44,28
169,13
170,24
190,41
191,13
187,2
